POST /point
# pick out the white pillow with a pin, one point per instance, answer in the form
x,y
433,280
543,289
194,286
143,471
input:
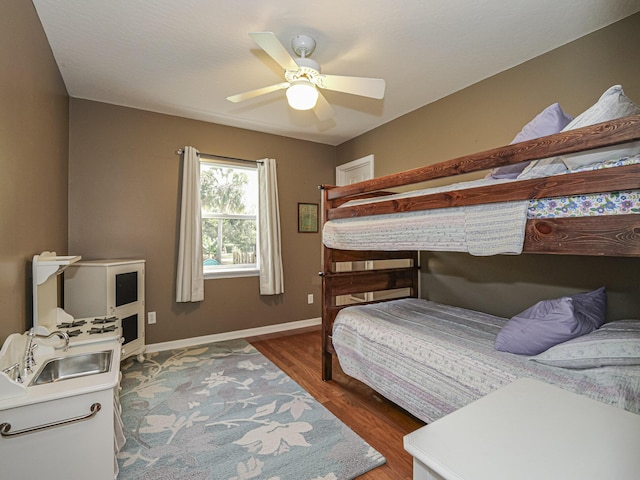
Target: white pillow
x,y
612,104
614,344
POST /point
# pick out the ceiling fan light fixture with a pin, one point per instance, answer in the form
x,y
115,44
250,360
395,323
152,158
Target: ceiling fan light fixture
x,y
303,79
302,95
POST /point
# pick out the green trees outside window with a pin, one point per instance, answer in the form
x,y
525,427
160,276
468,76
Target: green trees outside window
x,y
229,197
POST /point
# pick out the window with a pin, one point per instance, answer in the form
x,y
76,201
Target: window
x,y
229,197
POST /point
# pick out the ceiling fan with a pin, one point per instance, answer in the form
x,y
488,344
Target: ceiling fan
x,y
303,77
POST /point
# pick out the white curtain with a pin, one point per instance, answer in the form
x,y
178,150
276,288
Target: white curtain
x,y
271,277
190,276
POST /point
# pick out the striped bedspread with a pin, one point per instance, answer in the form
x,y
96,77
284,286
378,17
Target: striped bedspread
x,y
491,229
432,359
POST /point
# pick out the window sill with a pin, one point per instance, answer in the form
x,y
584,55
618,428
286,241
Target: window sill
x,y
222,273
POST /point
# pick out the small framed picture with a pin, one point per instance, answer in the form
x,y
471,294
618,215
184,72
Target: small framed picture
x,y
307,218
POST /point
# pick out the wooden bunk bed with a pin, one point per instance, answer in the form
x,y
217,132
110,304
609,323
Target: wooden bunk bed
x,y
615,235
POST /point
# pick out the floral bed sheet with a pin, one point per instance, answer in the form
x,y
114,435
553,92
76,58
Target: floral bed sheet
x,y
608,203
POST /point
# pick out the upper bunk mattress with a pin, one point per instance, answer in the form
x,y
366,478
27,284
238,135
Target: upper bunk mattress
x,y
480,230
432,359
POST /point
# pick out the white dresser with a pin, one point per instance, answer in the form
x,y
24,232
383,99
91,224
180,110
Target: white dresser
x,y
529,430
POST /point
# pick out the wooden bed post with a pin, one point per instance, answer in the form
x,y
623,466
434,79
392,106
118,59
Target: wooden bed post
x,y
327,357
327,300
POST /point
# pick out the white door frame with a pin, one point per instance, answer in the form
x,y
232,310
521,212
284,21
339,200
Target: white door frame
x,y
364,163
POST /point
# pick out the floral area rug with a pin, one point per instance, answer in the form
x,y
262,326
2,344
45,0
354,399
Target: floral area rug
x,y
222,411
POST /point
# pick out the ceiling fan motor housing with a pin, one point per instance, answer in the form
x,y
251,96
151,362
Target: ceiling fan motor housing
x,y
303,45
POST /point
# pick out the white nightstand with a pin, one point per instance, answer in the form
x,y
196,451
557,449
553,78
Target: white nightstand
x,y
529,430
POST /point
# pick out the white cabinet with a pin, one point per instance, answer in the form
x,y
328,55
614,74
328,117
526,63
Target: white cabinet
x,y
110,287
82,448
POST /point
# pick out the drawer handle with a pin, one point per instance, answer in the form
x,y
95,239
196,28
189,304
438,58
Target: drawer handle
x,y
6,427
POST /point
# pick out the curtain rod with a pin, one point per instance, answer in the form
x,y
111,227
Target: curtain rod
x,y
180,151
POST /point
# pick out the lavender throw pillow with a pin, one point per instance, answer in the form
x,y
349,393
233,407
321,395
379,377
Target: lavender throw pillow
x,y
591,307
551,120
551,322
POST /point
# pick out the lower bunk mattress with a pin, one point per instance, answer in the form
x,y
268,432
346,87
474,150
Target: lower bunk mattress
x,y
432,359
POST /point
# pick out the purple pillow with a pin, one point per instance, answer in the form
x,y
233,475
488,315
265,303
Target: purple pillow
x,y
551,120
551,322
591,307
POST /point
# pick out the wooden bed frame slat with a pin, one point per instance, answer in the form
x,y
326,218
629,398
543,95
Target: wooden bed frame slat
x,y
615,235
348,283
364,255
605,180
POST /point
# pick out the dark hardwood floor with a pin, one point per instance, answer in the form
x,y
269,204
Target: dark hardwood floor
x,y
378,421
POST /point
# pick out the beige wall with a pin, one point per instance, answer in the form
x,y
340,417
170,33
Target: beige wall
x,y
124,179
34,111
489,114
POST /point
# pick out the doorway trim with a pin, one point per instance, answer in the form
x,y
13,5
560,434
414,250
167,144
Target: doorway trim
x,y
342,171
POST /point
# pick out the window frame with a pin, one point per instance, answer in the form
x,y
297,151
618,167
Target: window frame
x,y
231,271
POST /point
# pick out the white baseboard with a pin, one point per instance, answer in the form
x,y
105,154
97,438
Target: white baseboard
x,y
220,337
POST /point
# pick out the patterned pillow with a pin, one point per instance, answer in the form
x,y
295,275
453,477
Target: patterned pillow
x,y
550,322
614,344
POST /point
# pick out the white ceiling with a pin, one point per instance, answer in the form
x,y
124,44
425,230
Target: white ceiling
x,y
185,57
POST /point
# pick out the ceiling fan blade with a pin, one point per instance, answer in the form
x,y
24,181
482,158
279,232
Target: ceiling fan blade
x,y
270,44
322,109
240,97
366,87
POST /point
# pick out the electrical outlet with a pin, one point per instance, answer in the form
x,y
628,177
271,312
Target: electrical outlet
x,y
151,318
310,298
